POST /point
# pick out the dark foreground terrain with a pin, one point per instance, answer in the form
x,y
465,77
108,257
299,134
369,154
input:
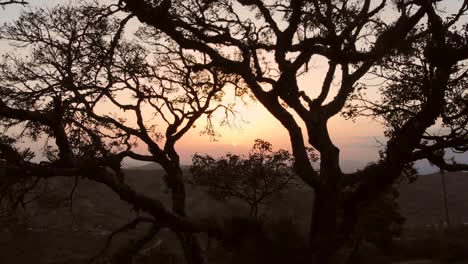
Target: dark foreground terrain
x,y
55,231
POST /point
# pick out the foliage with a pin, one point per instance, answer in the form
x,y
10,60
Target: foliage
x,y
63,53
14,191
269,44
249,241
77,84
381,222
405,91
253,179
81,84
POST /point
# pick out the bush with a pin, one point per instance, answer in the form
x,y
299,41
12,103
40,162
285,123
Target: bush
x,y
249,241
380,222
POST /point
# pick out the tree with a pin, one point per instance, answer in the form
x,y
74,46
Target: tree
x,y
254,179
12,196
79,82
270,46
407,75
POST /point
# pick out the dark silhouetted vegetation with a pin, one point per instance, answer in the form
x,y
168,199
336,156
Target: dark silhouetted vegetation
x,y
92,93
253,179
354,39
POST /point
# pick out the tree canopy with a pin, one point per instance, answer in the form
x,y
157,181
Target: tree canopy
x,y
253,179
188,52
85,89
271,47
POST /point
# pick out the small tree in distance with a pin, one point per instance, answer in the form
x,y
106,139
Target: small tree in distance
x,y
253,179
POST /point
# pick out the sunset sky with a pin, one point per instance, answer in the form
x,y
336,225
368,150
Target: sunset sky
x,y
357,140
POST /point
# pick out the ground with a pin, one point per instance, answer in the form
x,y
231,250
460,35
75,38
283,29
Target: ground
x,y
55,233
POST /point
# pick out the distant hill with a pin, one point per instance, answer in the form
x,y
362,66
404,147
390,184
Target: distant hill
x,y
422,166
147,167
347,165
152,166
422,201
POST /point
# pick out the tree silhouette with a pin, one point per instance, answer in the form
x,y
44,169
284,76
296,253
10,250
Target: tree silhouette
x,y
80,61
408,75
270,46
14,191
253,179
82,84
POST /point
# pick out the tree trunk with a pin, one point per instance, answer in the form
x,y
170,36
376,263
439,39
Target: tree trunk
x,y
189,241
191,246
327,238
323,229
127,253
331,229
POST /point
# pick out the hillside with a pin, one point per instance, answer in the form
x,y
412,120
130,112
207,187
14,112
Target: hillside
x,y
62,231
422,201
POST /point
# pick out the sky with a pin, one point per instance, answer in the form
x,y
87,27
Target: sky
x,y
359,140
